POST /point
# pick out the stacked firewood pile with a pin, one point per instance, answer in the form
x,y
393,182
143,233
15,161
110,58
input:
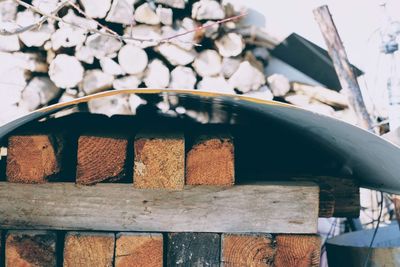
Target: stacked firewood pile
x,y
55,51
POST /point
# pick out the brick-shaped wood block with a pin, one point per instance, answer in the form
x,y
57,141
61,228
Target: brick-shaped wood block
x,y
31,248
247,250
139,249
159,161
194,249
100,159
83,249
210,161
34,158
297,250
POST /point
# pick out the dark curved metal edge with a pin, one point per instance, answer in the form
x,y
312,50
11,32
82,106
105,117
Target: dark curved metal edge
x,y
371,160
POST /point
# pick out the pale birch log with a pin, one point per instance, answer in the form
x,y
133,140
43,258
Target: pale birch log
x,y
230,45
36,37
165,15
84,54
39,91
121,12
211,31
65,71
146,14
247,78
127,82
278,84
207,10
84,23
176,55
132,59
110,105
229,66
111,67
182,78
183,41
157,75
96,8
95,81
180,4
215,84
207,63
103,46
143,32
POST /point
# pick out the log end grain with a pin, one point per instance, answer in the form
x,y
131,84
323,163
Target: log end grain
x,y
210,161
139,250
100,159
33,158
30,248
298,250
159,162
248,250
88,249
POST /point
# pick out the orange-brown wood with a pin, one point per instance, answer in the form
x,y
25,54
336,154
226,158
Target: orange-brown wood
x,y
297,250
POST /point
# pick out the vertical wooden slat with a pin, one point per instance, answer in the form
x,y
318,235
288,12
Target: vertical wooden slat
x,y
139,249
30,248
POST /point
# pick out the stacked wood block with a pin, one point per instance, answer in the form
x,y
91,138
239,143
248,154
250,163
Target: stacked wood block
x,y
30,248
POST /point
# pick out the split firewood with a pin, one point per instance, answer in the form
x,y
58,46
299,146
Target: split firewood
x,y
72,18
111,67
229,66
84,54
185,41
182,78
257,36
215,84
67,96
121,12
207,63
9,10
103,46
127,82
324,95
95,81
29,61
179,4
157,75
65,71
176,55
230,45
211,31
13,79
143,32
278,84
96,8
9,43
307,103
247,78
135,102
110,105
262,93
132,59
45,5
36,37
207,10
38,92
165,15
146,14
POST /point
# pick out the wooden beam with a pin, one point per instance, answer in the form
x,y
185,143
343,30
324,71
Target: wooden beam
x,y
138,249
344,70
267,208
31,248
193,249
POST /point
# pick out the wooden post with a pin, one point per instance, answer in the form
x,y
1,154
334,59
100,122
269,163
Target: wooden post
x,y
138,249
30,248
344,70
193,249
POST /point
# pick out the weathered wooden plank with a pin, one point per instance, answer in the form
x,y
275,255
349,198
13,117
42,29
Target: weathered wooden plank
x,y
30,248
247,250
297,250
138,249
268,208
159,161
193,249
210,161
83,249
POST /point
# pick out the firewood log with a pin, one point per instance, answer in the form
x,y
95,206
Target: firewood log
x,y
65,71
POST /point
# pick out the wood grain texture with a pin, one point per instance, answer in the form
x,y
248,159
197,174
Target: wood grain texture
x,y
34,158
297,250
119,207
83,249
211,161
247,250
139,249
101,159
30,248
193,249
159,161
